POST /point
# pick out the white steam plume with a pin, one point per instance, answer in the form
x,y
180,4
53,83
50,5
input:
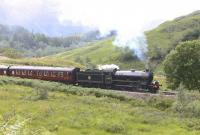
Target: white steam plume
x,y
108,67
137,43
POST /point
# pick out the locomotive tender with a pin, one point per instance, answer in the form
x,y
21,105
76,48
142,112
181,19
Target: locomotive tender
x,y
110,79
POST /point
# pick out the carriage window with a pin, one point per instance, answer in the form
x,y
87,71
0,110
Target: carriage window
x,y
39,73
30,72
13,72
17,72
46,73
60,74
23,72
53,74
4,71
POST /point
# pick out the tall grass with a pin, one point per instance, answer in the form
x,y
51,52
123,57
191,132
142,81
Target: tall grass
x,y
187,103
67,109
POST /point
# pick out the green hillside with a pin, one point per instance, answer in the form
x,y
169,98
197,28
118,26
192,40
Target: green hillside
x,y
165,37
100,52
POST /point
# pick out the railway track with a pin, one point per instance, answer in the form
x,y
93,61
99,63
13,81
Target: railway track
x,y
169,93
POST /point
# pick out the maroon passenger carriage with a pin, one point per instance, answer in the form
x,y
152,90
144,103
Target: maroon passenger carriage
x,y
60,74
3,70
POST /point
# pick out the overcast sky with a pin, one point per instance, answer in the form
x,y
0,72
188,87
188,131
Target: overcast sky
x,y
126,16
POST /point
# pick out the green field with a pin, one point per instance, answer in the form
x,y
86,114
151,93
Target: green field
x,y
30,107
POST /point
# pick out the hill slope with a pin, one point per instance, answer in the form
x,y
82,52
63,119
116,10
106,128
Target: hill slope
x,y
165,37
100,52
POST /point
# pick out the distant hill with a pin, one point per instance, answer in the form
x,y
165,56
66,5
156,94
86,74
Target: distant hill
x,y
16,42
88,56
165,37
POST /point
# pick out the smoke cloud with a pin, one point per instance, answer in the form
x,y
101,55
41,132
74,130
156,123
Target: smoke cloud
x,y
137,43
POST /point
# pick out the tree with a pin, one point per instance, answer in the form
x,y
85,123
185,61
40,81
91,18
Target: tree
x,y
182,65
127,54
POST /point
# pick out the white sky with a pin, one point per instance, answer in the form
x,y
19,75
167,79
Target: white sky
x,y
126,16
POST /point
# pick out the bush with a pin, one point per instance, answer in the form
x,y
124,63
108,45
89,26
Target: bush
x,y
160,103
193,109
187,104
113,127
128,54
42,94
182,65
193,124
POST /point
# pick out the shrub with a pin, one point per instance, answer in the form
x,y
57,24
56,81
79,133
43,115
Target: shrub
x,y
113,127
160,102
193,109
187,104
42,94
193,124
182,65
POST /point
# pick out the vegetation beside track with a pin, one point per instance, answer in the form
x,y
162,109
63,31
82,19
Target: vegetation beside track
x,y
41,107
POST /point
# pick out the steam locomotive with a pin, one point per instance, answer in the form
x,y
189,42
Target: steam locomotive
x,y
130,80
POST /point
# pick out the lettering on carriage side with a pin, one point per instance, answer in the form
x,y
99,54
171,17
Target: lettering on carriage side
x,y
39,73
53,74
23,72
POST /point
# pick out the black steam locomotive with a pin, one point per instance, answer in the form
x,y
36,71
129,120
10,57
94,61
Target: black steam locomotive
x,y
129,80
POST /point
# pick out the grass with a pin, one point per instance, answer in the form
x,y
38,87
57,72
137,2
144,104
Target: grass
x,y
82,111
100,52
